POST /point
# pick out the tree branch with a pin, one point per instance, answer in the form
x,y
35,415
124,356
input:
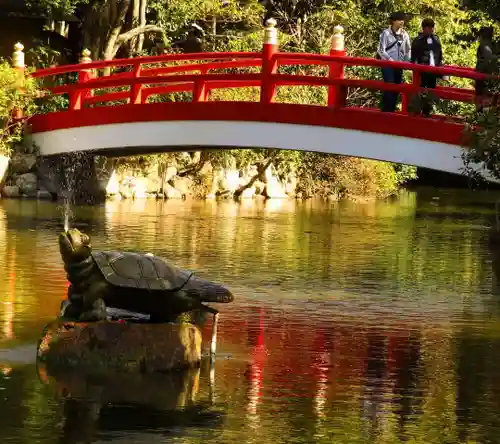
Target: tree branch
x,y
261,169
126,36
196,167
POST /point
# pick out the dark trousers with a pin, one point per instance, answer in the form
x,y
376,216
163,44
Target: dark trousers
x,y
390,98
427,80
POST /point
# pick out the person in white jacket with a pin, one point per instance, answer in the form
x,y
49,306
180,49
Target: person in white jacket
x,y
394,45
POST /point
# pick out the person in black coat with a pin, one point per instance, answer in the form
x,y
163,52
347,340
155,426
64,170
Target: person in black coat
x,y
426,50
487,63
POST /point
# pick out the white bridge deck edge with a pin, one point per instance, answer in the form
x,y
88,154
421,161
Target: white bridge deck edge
x,y
184,134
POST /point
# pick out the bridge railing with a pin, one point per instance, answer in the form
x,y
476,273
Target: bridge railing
x,y
162,75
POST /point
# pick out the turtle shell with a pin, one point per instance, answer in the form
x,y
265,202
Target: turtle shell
x,y
141,271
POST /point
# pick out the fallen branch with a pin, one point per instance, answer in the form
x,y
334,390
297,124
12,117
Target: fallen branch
x,y
261,169
196,167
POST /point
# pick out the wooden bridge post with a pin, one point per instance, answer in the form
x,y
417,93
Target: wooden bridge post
x,y
337,94
77,98
19,66
269,64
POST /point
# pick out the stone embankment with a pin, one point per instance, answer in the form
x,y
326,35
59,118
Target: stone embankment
x,y
19,178
26,176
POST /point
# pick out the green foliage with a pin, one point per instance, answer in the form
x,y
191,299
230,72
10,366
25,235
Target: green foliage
x,y
482,138
176,16
42,56
12,97
347,177
482,143
52,8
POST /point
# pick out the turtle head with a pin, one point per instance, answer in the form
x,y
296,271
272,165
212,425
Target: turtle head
x,y
74,245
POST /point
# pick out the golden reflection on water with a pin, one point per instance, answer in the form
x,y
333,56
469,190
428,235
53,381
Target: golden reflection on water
x,y
353,323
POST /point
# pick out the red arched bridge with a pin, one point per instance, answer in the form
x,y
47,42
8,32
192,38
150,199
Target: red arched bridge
x,y
129,106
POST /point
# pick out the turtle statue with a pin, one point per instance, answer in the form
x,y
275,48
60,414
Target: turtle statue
x,y
143,284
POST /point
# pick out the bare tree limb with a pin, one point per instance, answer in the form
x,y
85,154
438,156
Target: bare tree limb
x,y
261,169
196,167
126,36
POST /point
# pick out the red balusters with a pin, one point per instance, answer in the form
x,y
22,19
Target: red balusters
x,y
405,98
200,91
269,63
136,89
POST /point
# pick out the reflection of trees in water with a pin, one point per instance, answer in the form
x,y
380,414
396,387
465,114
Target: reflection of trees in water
x,y
29,255
294,380
478,384
391,384
377,247
25,411
360,246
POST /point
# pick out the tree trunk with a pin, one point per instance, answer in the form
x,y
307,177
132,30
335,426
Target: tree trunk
x,y
136,10
116,25
107,28
142,23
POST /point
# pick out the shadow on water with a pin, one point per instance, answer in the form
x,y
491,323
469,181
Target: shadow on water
x,y
106,407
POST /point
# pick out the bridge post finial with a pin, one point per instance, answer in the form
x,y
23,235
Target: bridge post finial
x,y
269,62
19,66
338,43
270,32
85,56
18,56
77,100
337,93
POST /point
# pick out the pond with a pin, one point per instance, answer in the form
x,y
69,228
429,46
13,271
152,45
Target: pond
x,y
353,323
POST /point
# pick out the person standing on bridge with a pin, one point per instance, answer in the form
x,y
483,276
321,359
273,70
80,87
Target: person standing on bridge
x,y
487,63
426,49
394,45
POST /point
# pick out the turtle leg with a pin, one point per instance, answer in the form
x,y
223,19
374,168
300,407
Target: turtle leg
x,y
72,307
97,312
70,310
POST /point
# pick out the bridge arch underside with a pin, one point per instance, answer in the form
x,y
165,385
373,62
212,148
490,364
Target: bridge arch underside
x,y
185,126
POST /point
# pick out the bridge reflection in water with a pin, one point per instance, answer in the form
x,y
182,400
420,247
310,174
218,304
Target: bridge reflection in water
x,y
352,323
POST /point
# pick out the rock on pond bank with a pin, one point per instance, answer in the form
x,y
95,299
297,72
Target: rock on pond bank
x,y
91,179
29,176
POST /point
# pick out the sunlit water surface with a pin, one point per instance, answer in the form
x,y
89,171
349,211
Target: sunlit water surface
x,y
353,323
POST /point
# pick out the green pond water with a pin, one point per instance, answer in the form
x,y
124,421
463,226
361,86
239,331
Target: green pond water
x,y
353,323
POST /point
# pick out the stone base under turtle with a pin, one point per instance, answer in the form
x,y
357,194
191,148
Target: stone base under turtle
x,y
102,347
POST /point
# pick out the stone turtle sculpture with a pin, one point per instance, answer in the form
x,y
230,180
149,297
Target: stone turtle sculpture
x,y
139,283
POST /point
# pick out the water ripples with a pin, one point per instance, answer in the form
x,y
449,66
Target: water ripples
x,y
352,323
